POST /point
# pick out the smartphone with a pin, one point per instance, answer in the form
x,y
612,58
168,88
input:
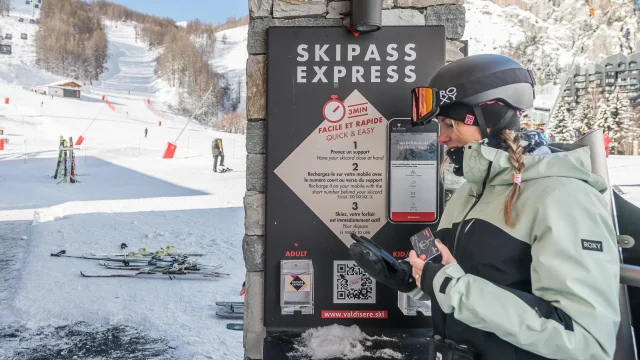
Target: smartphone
x,y
424,244
413,174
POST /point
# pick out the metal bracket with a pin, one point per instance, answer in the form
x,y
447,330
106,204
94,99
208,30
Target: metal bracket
x,y
626,241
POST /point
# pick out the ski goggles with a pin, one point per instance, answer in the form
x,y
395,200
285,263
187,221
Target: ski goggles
x,y
424,104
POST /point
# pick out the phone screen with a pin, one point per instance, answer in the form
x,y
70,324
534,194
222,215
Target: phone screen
x,y
413,172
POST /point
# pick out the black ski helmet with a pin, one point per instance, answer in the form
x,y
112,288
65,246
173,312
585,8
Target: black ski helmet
x,y
466,84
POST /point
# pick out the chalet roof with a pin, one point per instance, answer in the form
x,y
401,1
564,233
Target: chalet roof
x,y
67,84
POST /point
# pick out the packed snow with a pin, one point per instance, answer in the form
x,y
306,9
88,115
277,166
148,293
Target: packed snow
x,y
337,341
126,194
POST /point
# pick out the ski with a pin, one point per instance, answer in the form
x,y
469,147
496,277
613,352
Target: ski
x,y
231,310
65,160
62,253
190,267
136,259
228,314
172,263
235,326
230,303
55,175
72,159
143,252
153,274
174,271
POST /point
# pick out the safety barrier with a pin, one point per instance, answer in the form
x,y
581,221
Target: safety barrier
x,y
147,103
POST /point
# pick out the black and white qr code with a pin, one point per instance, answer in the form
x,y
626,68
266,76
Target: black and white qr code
x,y
351,284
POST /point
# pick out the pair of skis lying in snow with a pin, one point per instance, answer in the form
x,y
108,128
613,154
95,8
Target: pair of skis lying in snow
x,y
172,264
231,310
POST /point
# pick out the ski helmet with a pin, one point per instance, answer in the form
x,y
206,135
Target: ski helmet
x,y
486,90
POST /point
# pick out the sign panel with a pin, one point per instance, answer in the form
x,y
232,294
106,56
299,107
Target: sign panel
x,y
330,98
339,171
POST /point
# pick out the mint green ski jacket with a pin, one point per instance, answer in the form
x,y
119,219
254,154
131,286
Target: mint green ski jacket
x,y
546,288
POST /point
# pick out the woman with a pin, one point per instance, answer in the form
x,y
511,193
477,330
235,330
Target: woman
x,y
529,259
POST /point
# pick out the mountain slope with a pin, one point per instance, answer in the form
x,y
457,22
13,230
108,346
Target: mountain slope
x,y
20,67
127,193
544,35
230,60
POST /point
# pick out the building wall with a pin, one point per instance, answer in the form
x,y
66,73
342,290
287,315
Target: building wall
x,y
615,71
265,13
56,91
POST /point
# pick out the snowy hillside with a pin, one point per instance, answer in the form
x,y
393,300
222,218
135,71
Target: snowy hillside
x,y
230,60
544,34
126,193
20,68
501,26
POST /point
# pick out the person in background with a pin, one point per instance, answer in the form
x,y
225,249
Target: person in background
x,y
145,130
218,152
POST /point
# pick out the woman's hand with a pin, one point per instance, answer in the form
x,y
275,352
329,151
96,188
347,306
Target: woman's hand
x,y
418,263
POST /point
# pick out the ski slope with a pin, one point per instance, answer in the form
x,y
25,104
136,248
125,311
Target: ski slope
x,y
127,193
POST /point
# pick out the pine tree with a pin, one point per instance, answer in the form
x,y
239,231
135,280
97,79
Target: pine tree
x,y
617,120
601,114
582,117
560,125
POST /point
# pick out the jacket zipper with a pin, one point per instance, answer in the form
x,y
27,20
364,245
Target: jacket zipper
x,y
455,239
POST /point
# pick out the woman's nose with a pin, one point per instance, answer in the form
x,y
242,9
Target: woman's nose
x,y
443,139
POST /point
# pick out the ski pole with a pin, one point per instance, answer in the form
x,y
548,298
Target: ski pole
x,y
62,253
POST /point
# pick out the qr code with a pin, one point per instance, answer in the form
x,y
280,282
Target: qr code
x,y
351,285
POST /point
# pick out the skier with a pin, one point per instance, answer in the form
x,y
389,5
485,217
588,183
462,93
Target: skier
x,y
145,129
528,262
218,152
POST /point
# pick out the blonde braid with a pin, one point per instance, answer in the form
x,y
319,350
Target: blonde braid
x,y
515,150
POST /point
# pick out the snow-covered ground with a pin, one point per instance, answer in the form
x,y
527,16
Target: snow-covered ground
x,y
127,193
624,171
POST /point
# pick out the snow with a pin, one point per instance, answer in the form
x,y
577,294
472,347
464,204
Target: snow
x,y
20,67
230,59
489,27
127,193
337,341
624,171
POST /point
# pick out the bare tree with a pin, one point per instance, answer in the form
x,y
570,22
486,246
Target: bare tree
x,y
71,40
5,7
